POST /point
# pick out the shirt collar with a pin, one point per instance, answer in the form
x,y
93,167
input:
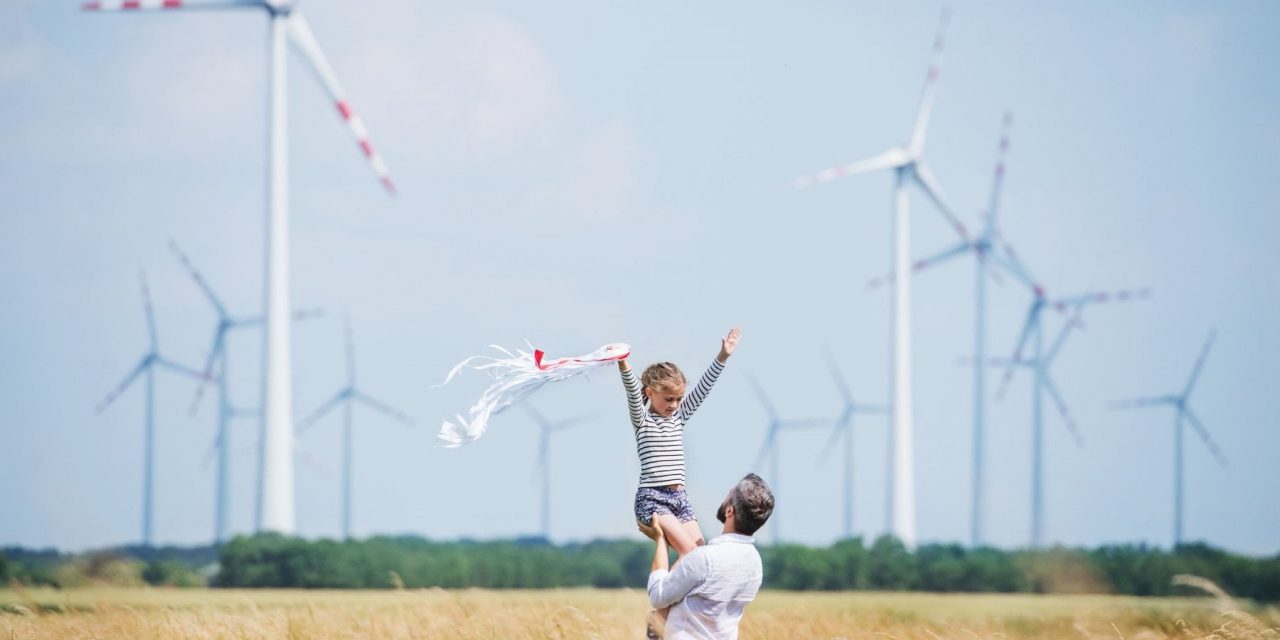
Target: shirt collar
x,y
732,537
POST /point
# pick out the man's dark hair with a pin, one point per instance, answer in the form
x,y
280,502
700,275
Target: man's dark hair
x,y
752,504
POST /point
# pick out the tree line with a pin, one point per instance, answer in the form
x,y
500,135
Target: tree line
x,y
272,560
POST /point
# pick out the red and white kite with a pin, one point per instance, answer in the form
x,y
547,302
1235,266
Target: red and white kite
x,y
515,377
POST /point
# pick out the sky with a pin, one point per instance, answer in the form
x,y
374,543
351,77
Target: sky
x,y
577,175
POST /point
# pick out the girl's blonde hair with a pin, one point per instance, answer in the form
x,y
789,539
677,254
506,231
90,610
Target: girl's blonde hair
x,y
661,374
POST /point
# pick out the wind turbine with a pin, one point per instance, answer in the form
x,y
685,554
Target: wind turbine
x,y
347,396
147,366
907,163
286,25
1182,413
983,247
226,412
770,446
546,428
1039,363
844,429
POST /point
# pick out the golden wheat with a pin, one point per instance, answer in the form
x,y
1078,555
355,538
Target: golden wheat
x,y
109,613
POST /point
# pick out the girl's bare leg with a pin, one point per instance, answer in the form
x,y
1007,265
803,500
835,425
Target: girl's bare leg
x,y
682,536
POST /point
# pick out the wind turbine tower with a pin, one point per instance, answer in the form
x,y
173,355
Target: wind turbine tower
x,y
226,411
1182,414
988,262
348,396
545,429
1042,383
147,367
907,163
770,447
287,24
843,428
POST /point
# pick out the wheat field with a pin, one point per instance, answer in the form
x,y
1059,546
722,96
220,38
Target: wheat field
x,y
593,613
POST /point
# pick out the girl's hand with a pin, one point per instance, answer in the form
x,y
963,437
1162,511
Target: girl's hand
x,y
729,343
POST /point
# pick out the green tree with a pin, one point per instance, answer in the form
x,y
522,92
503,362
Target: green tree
x,y
890,566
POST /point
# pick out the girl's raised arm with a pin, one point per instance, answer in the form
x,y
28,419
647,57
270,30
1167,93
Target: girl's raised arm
x,y
708,380
635,405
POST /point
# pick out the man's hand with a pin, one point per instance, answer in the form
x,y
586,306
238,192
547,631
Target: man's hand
x,y
729,343
652,531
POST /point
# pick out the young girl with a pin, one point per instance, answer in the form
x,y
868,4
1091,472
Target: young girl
x,y
659,410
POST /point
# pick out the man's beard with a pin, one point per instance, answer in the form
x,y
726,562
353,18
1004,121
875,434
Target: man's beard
x,y
720,511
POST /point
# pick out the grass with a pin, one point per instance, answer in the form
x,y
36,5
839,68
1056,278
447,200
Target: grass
x,y
594,613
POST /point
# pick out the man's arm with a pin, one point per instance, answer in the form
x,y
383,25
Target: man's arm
x,y
669,587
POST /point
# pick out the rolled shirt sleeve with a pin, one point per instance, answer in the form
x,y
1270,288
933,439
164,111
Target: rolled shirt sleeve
x,y
669,587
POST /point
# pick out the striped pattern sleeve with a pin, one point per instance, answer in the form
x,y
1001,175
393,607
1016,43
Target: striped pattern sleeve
x,y
700,392
635,405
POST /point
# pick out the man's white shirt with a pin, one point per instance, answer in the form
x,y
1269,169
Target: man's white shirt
x,y
709,588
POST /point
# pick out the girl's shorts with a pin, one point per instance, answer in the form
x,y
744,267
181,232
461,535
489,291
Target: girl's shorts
x,y
650,500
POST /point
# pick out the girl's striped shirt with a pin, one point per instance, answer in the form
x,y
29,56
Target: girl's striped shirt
x,y
659,439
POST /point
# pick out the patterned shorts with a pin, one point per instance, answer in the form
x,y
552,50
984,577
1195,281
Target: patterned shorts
x,y
650,500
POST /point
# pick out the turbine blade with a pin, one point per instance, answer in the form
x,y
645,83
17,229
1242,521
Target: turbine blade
x,y
1140,403
1204,353
207,371
307,314
180,368
1061,404
987,267
1204,435
806,423
921,126
1101,297
764,448
570,422
535,414
839,427
958,249
305,40
211,451
890,159
1033,318
310,460
149,309
309,421
386,409
1072,322
879,281
349,345
927,182
148,5
764,400
997,180
838,377
995,362
124,384
199,279
1004,255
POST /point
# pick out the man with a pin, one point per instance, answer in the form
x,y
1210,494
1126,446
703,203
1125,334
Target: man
x,y
711,585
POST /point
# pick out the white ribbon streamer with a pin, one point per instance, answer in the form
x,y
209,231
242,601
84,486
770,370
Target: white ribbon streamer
x,y
515,377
